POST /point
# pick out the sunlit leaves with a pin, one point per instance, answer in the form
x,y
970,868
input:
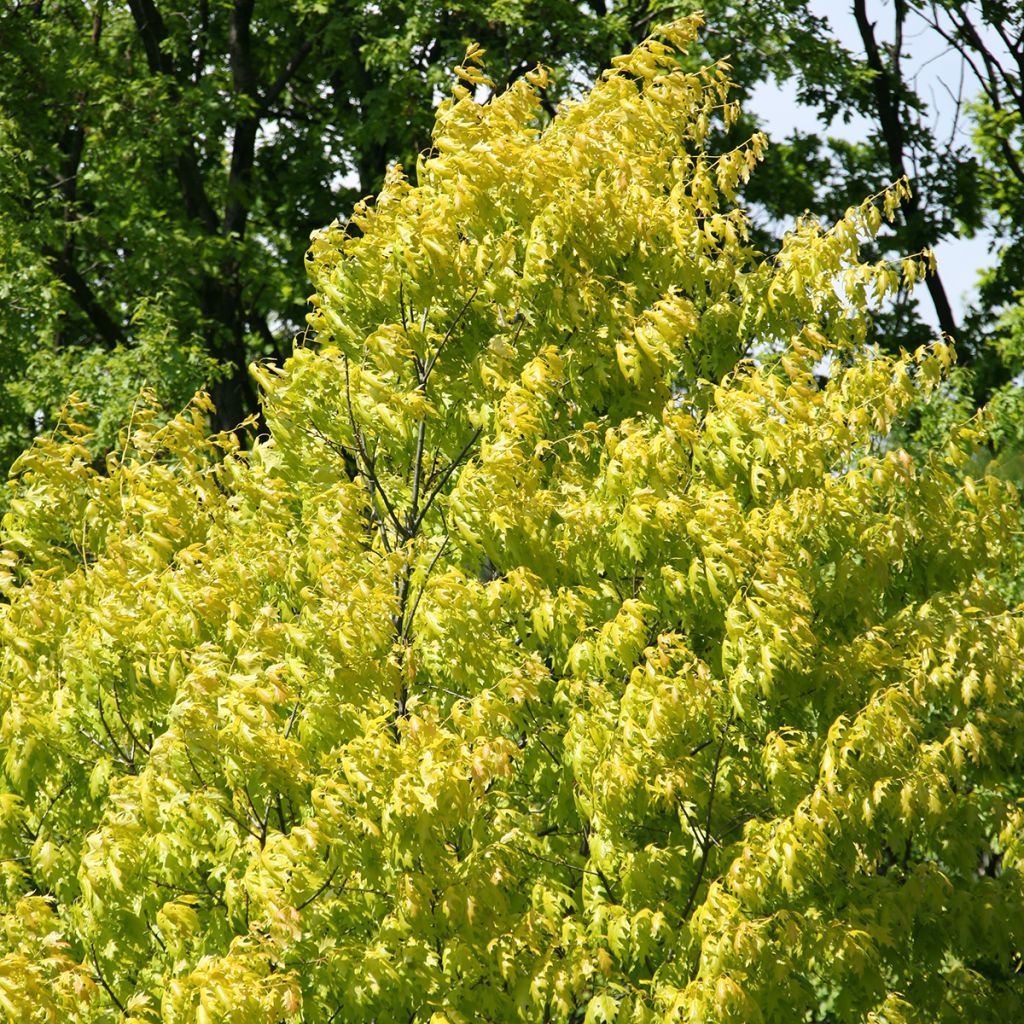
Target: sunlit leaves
x,y
580,645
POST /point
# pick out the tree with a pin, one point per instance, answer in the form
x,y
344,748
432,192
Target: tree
x,y
164,163
572,648
959,184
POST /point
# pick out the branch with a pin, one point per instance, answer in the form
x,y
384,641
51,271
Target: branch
x,y
412,520
49,807
152,30
607,885
700,746
279,84
430,568
117,753
990,59
985,81
323,888
260,822
103,981
291,720
238,821
706,844
698,833
192,765
886,104
264,821
124,721
883,85
401,304
988,81
449,469
128,760
110,333
556,861
156,935
369,464
444,341
246,100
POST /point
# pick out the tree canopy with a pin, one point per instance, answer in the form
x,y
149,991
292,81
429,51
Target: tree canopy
x,y
571,649
165,162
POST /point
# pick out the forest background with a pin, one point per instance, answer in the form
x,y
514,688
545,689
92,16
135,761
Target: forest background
x,y
165,163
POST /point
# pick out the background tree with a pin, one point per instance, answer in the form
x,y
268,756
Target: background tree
x,y
164,163
552,660
959,184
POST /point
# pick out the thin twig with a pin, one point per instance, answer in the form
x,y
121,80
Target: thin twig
x,y
607,885
291,720
92,739
121,753
444,341
369,463
417,469
192,764
124,721
49,807
451,467
103,981
557,862
323,888
707,821
430,568
156,935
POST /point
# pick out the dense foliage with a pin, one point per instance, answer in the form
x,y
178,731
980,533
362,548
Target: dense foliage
x,y
163,162
574,647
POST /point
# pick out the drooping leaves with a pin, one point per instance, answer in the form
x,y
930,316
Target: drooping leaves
x,y
578,646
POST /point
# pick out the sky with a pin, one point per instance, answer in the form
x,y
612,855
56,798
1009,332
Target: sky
x,y
958,260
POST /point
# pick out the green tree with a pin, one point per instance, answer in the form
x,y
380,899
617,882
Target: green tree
x,y
569,651
162,164
959,186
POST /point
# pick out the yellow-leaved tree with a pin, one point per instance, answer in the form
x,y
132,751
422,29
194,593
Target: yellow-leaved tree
x,y
579,645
